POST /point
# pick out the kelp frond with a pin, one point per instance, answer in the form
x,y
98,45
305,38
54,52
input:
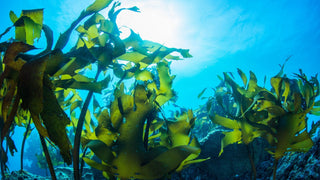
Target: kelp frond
x,y
278,115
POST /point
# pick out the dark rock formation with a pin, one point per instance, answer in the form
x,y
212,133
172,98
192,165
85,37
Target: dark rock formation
x,y
294,166
234,163
62,173
66,173
21,175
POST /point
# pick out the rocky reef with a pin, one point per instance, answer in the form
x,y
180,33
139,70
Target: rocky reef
x,y
294,165
234,162
63,173
20,175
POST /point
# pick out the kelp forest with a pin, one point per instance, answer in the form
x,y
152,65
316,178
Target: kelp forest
x,y
131,136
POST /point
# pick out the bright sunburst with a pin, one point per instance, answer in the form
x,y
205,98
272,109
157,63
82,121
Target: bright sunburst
x,y
158,21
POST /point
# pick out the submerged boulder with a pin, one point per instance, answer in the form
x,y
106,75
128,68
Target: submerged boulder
x,y
233,162
21,175
293,166
66,173
62,173
301,165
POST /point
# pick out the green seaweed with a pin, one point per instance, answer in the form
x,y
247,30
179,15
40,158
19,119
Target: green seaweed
x,y
279,115
121,146
44,87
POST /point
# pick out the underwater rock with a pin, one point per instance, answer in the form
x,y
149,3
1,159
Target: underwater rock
x,y
234,165
62,173
21,175
300,166
66,173
233,162
293,166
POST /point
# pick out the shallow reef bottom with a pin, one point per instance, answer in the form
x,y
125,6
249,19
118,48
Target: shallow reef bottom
x,y
293,166
62,173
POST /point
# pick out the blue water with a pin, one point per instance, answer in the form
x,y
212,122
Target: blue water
x,y
221,35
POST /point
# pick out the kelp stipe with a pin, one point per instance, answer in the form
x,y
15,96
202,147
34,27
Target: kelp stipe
x,y
279,115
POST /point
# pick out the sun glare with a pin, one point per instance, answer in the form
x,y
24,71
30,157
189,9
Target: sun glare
x,y
157,21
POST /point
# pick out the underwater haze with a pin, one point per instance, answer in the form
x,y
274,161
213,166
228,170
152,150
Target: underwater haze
x,y
258,36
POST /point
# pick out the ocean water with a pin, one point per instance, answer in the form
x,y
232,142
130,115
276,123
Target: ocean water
x,y
222,36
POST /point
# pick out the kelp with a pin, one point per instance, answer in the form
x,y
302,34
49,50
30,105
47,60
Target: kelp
x,y
278,115
122,149
47,155
26,134
28,26
28,85
43,87
79,131
178,133
55,118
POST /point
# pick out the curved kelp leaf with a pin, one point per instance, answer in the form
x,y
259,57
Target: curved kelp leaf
x,y
49,36
11,74
74,84
163,89
179,134
243,77
13,50
231,137
98,5
30,89
105,127
149,52
113,13
96,165
201,93
179,130
56,120
279,115
7,100
289,126
166,162
55,59
101,150
132,160
93,8
191,159
12,146
28,26
94,19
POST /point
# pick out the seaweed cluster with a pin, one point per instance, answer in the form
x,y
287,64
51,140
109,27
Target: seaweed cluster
x,y
278,115
130,137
